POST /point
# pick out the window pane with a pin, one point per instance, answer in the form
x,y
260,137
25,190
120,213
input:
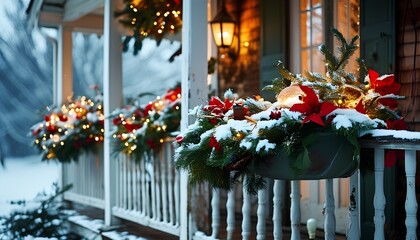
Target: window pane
x,y
305,60
305,27
317,26
304,5
316,3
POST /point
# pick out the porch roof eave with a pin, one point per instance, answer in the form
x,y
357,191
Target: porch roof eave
x,y
79,15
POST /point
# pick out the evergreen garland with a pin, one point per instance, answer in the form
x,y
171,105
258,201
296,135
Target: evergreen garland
x,y
149,19
232,134
68,131
140,130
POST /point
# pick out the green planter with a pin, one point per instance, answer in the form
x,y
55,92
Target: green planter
x,y
331,157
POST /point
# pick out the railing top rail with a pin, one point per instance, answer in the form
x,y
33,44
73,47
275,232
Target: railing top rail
x,y
390,139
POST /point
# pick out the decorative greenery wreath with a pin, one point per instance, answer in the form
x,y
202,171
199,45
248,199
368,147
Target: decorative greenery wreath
x,y
141,129
232,134
68,131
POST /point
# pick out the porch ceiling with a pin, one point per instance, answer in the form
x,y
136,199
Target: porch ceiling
x,y
81,15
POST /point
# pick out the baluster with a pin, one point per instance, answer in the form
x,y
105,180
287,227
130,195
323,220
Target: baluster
x,y
136,198
164,173
129,184
144,198
170,184
261,213
295,210
230,218
278,189
158,174
379,200
246,212
215,213
411,202
353,225
177,196
118,177
124,173
329,224
153,185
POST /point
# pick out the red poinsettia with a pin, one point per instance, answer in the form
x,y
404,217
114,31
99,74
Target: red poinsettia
x,y
360,108
311,108
392,155
384,85
275,115
217,107
215,144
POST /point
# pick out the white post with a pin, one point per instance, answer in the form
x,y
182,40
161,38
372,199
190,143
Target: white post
x,y
112,99
278,190
194,82
353,225
230,218
261,213
295,210
246,212
215,213
63,75
379,197
64,85
329,224
411,202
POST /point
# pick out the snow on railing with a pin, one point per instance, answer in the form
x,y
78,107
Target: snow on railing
x,y
87,177
148,191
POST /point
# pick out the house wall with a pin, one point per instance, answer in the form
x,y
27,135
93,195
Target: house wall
x,y
239,69
408,60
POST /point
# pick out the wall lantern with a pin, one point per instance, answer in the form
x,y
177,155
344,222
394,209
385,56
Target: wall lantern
x,y
223,28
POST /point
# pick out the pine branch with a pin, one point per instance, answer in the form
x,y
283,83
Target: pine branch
x,y
286,74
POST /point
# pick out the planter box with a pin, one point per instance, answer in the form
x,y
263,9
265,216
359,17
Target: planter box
x,y
331,157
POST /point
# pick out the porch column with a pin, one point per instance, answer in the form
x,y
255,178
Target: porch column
x,y
63,84
112,87
194,84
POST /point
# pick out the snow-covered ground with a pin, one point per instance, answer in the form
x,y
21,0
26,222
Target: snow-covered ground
x,y
23,178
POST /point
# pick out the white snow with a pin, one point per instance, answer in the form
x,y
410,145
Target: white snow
x,y
400,134
23,178
265,145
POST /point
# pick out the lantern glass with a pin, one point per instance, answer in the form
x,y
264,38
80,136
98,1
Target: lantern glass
x,y
223,33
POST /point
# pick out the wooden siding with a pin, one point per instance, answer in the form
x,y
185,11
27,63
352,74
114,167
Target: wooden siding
x,y
408,59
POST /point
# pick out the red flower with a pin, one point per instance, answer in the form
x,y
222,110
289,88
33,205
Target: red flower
x,y
215,144
392,155
116,121
179,139
147,109
217,107
311,108
275,115
360,108
130,127
172,94
62,117
384,85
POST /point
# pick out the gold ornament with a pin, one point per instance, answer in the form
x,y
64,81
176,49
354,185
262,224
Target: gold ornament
x,y
290,96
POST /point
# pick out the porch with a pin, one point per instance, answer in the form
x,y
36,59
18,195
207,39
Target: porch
x,y
154,196
148,201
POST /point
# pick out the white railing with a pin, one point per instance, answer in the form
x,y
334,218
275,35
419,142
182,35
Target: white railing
x,y
87,177
148,194
148,191
353,230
